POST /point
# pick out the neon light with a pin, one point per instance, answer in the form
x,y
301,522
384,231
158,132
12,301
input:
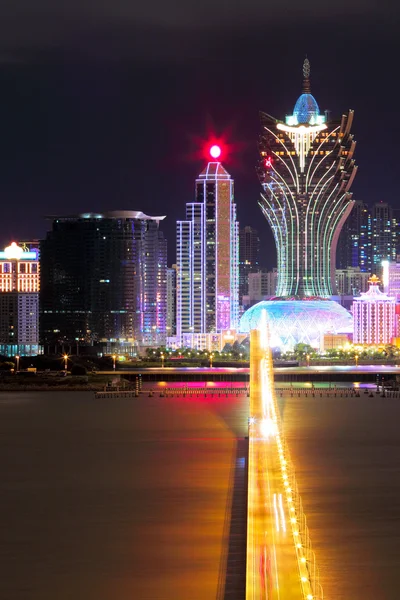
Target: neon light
x,y
268,162
302,129
215,151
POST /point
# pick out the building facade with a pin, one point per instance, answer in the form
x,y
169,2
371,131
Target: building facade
x,y
306,170
171,301
103,280
19,301
351,281
262,285
207,259
355,240
373,316
249,258
384,235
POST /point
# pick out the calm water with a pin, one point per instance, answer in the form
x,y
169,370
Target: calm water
x,y
109,501
347,454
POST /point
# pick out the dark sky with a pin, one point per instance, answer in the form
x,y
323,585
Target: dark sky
x,y
108,109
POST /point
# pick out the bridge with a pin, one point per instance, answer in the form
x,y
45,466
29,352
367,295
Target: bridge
x,y
280,560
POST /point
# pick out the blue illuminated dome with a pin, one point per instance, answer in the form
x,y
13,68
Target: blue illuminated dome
x,y
298,321
306,110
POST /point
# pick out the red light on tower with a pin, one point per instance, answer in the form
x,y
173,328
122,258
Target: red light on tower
x,y
268,162
215,151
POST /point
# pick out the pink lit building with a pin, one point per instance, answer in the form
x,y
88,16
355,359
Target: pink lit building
x,y
373,316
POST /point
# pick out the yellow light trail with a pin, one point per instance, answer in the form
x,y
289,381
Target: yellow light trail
x,y
280,560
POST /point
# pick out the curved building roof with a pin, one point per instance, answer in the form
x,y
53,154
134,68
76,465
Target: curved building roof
x,y
306,110
295,321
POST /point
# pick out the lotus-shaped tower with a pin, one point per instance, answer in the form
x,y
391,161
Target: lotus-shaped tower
x,y
306,169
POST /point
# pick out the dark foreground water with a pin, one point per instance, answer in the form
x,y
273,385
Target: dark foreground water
x,y
128,499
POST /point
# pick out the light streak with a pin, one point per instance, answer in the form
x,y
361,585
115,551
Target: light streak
x,y
282,513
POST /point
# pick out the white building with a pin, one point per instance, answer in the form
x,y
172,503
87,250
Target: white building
x,y
19,301
262,285
207,276
373,316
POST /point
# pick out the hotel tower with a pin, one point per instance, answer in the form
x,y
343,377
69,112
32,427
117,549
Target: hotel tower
x,y
306,169
207,261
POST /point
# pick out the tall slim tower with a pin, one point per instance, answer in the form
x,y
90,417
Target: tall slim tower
x,y
306,170
207,257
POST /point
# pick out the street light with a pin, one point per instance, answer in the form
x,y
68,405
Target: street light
x,y
65,362
162,359
211,359
308,360
114,357
17,359
356,359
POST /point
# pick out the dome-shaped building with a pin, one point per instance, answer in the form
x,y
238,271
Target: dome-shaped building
x,y
298,321
306,110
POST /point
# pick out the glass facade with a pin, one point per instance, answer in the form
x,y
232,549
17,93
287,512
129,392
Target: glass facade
x,y
103,278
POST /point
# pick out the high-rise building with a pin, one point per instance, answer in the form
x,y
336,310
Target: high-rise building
x,y
373,316
306,170
351,281
384,235
207,259
355,240
19,301
249,257
171,301
103,279
262,285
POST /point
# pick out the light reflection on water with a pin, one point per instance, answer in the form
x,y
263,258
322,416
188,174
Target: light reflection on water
x,y
109,477
347,457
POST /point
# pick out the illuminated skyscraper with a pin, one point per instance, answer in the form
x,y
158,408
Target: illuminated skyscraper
x,y
103,280
306,170
207,259
19,301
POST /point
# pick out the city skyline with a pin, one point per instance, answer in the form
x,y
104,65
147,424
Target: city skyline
x,y
87,121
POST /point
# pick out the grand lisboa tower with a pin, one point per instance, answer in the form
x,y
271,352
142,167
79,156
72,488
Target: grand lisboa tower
x,y
306,169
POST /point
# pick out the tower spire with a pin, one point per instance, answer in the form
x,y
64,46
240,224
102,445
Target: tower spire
x,y
306,77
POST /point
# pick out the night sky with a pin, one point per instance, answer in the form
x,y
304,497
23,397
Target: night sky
x,y
111,109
